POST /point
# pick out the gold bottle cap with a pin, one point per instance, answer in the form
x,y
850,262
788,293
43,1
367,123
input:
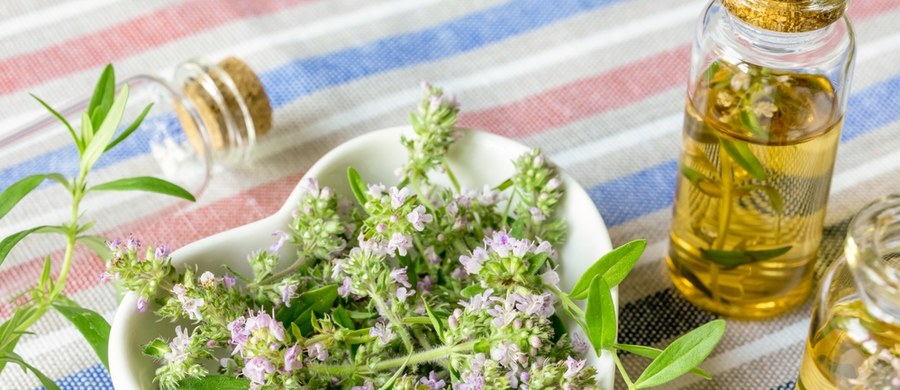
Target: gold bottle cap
x,y
240,92
789,16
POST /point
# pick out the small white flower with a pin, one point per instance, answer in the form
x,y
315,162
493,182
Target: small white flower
x,y
573,367
764,108
398,196
400,243
288,292
192,306
317,351
208,279
550,278
740,82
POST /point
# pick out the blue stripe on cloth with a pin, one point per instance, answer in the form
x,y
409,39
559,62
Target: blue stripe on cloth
x,y
305,76
652,189
94,378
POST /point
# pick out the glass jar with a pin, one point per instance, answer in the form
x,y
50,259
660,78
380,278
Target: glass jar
x,y
854,338
205,116
766,99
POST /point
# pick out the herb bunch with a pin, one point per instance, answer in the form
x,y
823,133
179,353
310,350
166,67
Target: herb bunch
x,y
100,132
414,286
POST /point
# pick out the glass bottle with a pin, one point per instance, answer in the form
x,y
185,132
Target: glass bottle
x,y
204,117
854,338
766,99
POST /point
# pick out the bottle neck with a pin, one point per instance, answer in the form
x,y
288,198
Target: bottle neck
x,y
873,254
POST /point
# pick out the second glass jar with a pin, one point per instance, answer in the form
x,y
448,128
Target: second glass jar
x,y
765,105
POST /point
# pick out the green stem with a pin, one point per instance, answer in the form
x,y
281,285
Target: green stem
x,y
281,274
421,196
622,371
392,318
451,175
724,220
432,355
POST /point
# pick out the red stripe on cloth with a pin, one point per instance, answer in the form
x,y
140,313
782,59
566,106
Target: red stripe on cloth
x,y
175,228
606,91
128,38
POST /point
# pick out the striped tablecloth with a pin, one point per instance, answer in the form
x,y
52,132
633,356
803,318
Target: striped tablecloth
x,y
598,84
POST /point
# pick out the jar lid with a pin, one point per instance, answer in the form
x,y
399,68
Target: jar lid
x,y
789,16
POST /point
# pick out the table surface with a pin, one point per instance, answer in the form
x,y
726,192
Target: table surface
x,y
598,84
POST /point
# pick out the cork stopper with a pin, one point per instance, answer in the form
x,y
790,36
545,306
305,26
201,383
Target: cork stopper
x,y
788,16
231,103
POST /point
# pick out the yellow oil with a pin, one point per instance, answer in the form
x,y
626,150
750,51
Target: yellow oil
x,y
751,192
852,350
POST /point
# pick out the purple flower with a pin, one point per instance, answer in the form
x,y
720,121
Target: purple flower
x,y
471,380
132,244
238,333
473,263
263,321
367,386
317,351
114,244
478,302
434,102
425,284
550,278
579,343
310,186
399,275
398,196
376,190
282,237
432,381
520,247
539,305
382,331
537,214
459,273
257,368
431,256
105,277
418,218
552,184
453,320
344,289
505,313
489,196
399,242
452,208
573,367
162,252
288,292
500,243
293,358
229,280
403,293
142,304
545,247
508,354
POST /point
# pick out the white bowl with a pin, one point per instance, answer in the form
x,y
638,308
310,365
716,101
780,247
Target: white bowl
x,y
476,159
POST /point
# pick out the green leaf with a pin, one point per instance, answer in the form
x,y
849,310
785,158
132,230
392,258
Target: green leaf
x,y
78,141
215,382
740,152
682,355
435,322
503,186
303,307
104,93
751,122
157,349
342,318
97,245
10,242
652,353
130,129
600,315
357,185
92,326
537,262
146,184
701,182
11,357
613,266
731,259
13,194
45,273
104,134
472,290
559,329
87,128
